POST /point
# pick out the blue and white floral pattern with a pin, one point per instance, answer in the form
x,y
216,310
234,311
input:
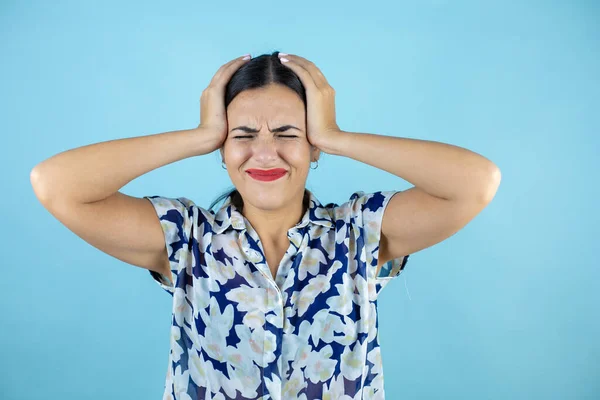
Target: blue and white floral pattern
x,y
308,333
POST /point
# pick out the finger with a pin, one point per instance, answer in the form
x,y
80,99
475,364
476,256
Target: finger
x,y
305,77
315,73
227,70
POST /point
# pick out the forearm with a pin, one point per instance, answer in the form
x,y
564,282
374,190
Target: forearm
x,y
94,172
442,170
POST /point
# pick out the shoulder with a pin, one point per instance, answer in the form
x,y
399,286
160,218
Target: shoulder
x,y
363,205
181,210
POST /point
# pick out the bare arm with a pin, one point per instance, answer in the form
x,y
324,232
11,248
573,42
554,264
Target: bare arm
x,y
94,172
80,188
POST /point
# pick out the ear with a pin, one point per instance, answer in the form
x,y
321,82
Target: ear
x,y
315,153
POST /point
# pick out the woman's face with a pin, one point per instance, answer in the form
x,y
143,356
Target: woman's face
x,y
264,110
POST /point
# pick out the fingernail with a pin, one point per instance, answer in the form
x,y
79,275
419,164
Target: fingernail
x,y
283,54
247,57
283,60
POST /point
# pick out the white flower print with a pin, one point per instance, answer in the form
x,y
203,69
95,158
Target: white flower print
x,y
320,365
236,332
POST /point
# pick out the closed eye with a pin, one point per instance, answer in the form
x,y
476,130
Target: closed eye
x,y
276,130
248,136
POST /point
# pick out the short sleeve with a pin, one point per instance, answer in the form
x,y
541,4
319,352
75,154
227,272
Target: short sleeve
x,y
175,215
367,211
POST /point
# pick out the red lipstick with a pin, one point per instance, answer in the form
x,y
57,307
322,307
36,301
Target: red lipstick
x,y
266,174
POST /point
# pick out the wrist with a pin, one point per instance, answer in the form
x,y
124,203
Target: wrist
x,y
335,144
203,141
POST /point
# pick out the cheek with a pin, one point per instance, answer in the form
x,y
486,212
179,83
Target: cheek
x,y
235,152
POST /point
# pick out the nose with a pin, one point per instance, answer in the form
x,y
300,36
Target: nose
x,y
264,147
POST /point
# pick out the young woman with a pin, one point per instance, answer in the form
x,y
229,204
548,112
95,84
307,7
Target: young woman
x,y
274,294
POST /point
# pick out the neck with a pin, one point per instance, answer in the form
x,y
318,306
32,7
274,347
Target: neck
x,y
273,226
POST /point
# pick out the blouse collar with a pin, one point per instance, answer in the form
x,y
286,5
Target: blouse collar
x,y
229,215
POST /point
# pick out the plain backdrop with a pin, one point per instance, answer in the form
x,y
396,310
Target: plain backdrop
x,y
505,309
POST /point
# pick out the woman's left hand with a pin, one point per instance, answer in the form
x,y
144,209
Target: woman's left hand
x,y
320,97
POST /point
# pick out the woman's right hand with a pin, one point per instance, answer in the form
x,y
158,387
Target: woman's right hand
x,y
213,116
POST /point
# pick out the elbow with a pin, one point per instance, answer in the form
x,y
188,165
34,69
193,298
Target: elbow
x,y
491,185
38,184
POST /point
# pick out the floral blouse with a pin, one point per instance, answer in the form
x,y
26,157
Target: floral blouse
x,y
310,332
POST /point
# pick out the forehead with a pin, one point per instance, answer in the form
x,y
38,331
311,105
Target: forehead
x,y
269,102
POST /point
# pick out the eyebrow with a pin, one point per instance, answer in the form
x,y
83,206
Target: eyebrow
x,y
251,130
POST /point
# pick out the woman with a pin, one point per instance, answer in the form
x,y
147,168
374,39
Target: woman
x,y
274,294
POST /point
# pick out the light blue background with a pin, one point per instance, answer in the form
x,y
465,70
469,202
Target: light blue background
x,y
505,309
